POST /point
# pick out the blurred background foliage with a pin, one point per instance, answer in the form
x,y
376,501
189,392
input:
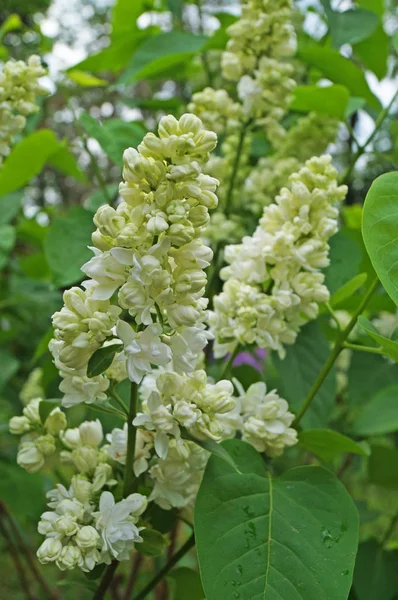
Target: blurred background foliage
x,y
113,70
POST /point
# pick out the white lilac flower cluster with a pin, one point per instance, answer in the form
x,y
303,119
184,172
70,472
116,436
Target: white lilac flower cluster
x,y
148,260
39,440
259,42
309,136
19,87
273,283
83,530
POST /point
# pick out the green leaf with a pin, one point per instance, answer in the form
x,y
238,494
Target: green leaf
x,y
154,543
211,447
382,466
161,52
331,100
99,198
380,230
345,260
375,574
46,407
9,207
380,415
374,51
42,346
65,161
96,573
114,135
115,57
354,104
11,23
367,375
327,444
351,26
176,7
85,79
66,244
185,583
7,241
259,537
300,368
348,289
8,366
102,359
389,347
341,70
26,160
124,17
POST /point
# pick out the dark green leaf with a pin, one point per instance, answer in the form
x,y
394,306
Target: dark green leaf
x,y
354,104
383,466
154,543
66,245
115,57
102,359
348,289
96,573
291,537
367,375
331,100
7,241
212,447
9,207
46,407
345,260
124,17
380,415
99,198
374,51
376,573
341,70
389,347
160,53
26,160
351,26
42,347
185,583
300,368
327,444
380,230
8,366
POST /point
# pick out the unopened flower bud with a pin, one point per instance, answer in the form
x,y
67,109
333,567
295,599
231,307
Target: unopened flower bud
x,y
56,422
29,457
69,558
49,551
91,433
85,458
87,537
19,425
46,444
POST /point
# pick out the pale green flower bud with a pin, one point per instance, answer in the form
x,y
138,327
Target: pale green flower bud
x,y
103,475
19,425
69,558
31,411
49,551
46,444
71,438
87,537
56,422
82,489
85,458
66,525
29,457
91,433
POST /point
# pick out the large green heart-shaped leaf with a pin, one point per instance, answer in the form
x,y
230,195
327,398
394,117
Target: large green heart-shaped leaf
x,y
380,230
293,537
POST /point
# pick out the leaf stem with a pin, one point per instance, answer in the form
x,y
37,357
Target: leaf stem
x,y
118,399
131,437
363,348
338,347
235,168
168,566
228,363
108,410
333,315
361,149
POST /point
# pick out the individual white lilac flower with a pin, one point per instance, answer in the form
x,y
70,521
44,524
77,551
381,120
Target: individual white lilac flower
x,y
142,349
116,524
91,433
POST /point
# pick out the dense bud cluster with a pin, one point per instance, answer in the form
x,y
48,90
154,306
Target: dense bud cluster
x,y
273,283
19,87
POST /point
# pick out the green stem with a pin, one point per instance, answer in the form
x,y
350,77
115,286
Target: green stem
x,y
108,410
235,169
228,363
361,149
204,56
363,348
335,353
168,566
131,436
106,580
118,399
333,315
